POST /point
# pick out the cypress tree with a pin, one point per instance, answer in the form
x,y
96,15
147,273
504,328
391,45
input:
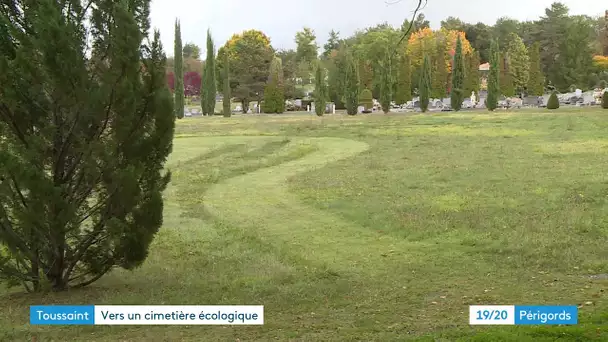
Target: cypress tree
x,y
493,77
385,87
605,100
226,88
274,99
425,84
506,80
403,93
440,74
351,82
320,90
474,73
553,102
178,71
457,93
535,81
208,87
84,137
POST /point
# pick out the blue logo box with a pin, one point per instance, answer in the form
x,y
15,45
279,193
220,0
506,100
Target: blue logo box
x,y
62,314
546,315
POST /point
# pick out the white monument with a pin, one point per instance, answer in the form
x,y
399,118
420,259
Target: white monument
x,y
473,99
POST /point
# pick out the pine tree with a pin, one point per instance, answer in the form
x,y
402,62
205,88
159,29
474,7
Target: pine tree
x,y
208,87
493,77
535,81
425,84
403,93
385,87
351,82
178,71
226,88
274,99
457,94
506,81
439,85
85,135
320,90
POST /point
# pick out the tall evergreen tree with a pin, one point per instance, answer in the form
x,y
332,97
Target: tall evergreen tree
x,y
506,81
274,98
535,80
403,93
351,83
226,88
425,84
519,63
178,71
493,77
439,83
84,139
335,77
208,87
386,86
457,93
320,90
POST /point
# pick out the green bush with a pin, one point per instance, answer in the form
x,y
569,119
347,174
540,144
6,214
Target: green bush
x,y
366,99
605,100
553,102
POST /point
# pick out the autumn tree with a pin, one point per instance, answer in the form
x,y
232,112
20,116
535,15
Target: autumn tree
x,y
209,90
249,55
178,71
86,127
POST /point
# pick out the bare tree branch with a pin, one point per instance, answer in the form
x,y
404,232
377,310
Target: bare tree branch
x,y
419,7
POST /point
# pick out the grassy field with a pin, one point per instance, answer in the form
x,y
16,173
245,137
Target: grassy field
x,y
371,228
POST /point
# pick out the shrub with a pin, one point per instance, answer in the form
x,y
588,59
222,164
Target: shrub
x,y
553,102
605,100
366,99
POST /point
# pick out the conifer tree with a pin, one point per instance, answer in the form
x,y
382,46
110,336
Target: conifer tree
x,y
226,88
493,77
385,87
506,79
178,71
439,82
351,82
457,93
274,99
320,90
86,127
425,84
209,91
535,81
403,93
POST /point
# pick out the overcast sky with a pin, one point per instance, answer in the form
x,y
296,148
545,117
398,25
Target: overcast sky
x,y
280,20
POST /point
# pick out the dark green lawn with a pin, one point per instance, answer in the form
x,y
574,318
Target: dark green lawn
x,y
372,228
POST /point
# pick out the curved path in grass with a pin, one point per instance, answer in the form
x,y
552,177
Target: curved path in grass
x,y
260,202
